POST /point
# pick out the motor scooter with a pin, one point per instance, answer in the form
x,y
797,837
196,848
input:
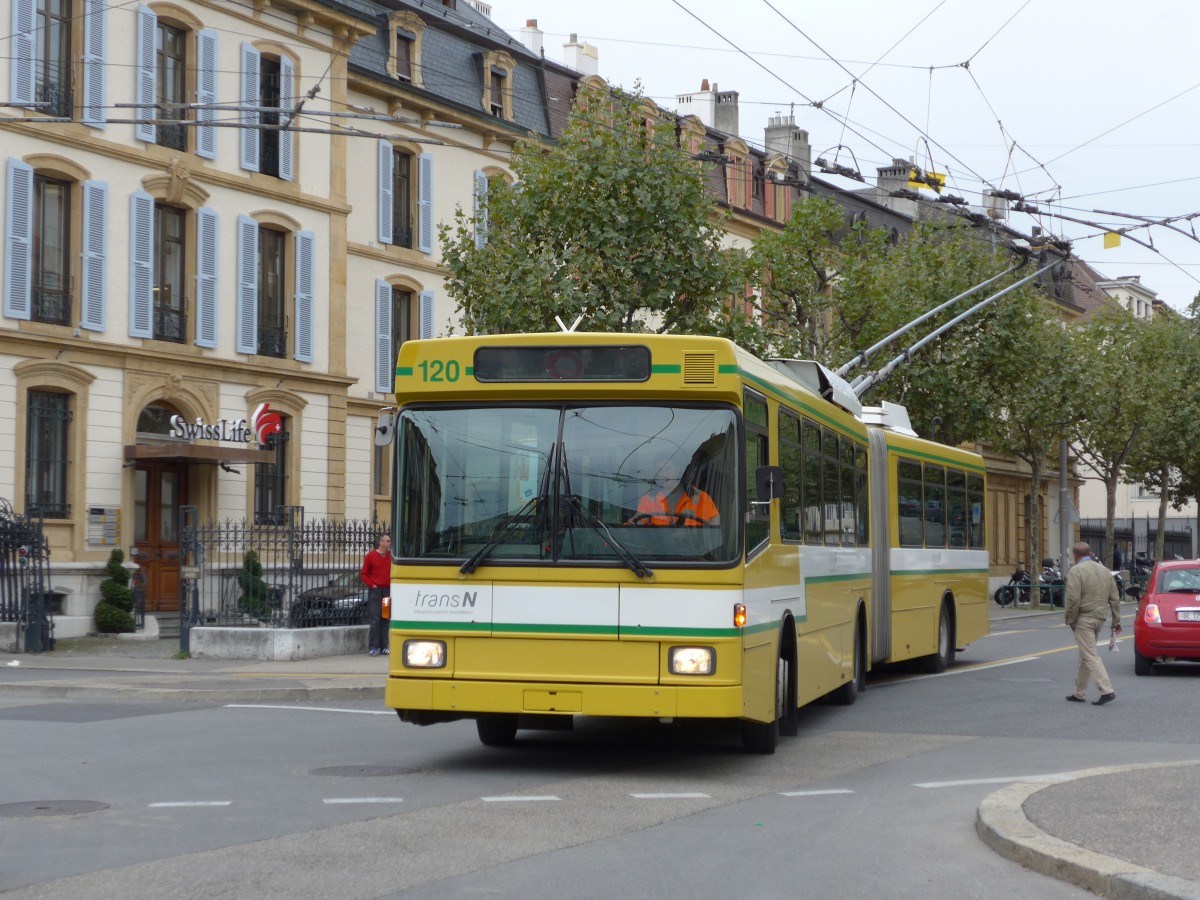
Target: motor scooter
x,y
1017,589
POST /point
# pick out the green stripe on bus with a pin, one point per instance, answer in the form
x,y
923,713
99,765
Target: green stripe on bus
x,y
404,371
728,369
792,401
832,579
944,460
683,634
927,572
470,371
665,369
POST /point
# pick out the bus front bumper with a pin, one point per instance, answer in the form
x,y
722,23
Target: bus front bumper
x,y
466,698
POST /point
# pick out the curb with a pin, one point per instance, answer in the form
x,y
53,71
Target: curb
x,y
133,692
1001,823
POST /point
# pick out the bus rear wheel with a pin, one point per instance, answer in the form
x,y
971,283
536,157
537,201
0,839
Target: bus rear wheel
x,y
944,658
496,729
848,692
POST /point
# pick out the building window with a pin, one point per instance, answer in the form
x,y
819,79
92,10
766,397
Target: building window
x,y
48,420
402,199
170,300
404,55
402,309
272,289
53,72
171,90
498,90
271,479
51,288
268,101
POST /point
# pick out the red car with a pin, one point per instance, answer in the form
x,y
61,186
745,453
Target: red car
x,y
1167,625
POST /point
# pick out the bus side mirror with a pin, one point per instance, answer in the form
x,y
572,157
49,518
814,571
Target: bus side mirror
x,y
385,428
768,483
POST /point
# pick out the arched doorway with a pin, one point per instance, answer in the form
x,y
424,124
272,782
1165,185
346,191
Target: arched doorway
x,y
160,487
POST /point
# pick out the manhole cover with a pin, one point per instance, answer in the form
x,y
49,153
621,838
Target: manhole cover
x,y
50,808
363,771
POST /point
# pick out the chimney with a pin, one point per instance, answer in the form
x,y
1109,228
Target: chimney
x,y
581,56
531,36
783,137
893,177
726,112
702,104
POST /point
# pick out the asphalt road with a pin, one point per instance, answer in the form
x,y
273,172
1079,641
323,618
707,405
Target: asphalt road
x,y
340,800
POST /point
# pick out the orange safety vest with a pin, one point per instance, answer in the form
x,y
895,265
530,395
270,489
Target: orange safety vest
x,y
695,502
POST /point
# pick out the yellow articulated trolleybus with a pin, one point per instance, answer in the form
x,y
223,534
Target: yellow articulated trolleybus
x,y
662,527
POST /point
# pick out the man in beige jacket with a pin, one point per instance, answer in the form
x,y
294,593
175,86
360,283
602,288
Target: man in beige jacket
x,y
1091,594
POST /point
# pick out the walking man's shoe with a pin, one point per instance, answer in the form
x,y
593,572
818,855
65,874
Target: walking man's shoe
x,y
1105,698
1074,699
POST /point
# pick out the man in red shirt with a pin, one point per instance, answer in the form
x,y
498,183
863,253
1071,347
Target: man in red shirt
x,y
670,503
376,574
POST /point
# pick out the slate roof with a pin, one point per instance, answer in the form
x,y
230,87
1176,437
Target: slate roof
x,y
452,49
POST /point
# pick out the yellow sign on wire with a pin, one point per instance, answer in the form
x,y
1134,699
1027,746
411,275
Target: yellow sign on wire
x,y
1111,239
914,180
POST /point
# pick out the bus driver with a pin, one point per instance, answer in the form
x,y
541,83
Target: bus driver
x,y
670,502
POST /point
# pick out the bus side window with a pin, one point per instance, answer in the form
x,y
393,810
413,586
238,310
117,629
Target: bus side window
x,y
758,518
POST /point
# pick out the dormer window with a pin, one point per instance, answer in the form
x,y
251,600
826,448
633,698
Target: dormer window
x,y
404,59
498,70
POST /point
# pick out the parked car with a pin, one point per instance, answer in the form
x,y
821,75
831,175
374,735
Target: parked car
x,y
1167,625
342,601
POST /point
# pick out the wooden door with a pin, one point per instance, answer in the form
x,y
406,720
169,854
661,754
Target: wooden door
x,y
160,488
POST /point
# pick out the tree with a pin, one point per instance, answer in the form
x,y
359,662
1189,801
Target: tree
x,y
1118,352
614,222
114,612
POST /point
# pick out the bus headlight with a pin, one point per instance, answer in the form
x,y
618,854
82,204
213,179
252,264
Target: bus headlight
x,y
692,660
424,654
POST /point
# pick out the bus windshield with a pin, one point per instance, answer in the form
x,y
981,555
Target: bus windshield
x,y
583,484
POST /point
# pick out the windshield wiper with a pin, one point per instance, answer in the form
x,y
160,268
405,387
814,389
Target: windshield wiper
x,y
639,568
532,506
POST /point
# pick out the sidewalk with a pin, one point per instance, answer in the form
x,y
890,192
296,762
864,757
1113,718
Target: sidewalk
x,y
1118,832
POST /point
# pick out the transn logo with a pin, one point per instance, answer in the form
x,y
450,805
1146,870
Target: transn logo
x,y
265,423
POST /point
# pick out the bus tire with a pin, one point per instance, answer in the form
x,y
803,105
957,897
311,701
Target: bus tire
x,y
848,692
496,729
763,737
943,659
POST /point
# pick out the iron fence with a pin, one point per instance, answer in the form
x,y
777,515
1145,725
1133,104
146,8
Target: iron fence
x,y
281,571
25,579
1133,537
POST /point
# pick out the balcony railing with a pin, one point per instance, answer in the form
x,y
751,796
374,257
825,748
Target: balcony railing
x,y
56,96
52,304
172,136
272,342
171,324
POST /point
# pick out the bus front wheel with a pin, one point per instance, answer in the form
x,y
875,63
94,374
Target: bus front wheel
x,y
763,737
496,729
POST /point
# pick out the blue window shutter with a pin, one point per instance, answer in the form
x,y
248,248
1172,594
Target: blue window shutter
x,y
306,249
141,265
95,20
426,314
386,161
247,286
206,278
18,240
481,193
287,102
94,314
425,203
385,362
206,92
24,50
147,32
249,97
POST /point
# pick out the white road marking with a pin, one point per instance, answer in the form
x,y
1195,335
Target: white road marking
x,y
363,800
1039,778
533,799
685,796
193,803
359,712
814,793
962,670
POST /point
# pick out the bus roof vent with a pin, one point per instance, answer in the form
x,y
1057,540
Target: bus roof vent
x,y
699,368
890,416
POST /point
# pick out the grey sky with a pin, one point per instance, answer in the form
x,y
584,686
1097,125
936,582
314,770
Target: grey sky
x,y
1101,98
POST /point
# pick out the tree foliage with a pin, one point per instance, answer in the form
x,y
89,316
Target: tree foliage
x,y
614,222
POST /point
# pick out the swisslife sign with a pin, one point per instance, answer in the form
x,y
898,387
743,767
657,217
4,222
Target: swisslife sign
x,y
260,426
